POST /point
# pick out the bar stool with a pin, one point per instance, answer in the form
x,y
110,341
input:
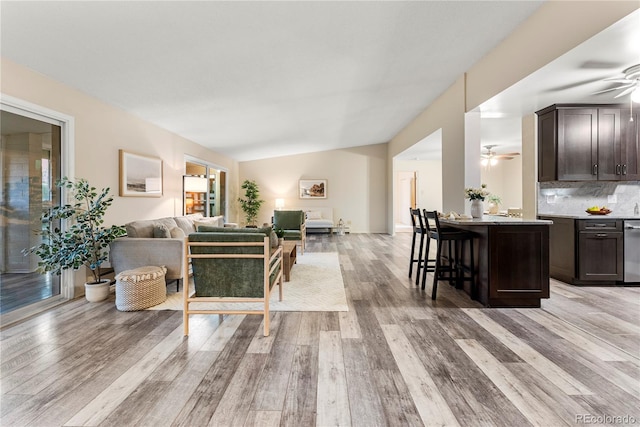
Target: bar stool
x,y
454,270
418,229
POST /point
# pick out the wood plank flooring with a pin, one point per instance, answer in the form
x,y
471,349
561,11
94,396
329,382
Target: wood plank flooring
x,y
395,358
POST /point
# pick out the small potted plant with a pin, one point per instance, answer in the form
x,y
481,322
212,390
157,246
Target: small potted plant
x,y
280,233
84,242
494,203
251,203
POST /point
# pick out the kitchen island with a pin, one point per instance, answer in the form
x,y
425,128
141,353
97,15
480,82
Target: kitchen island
x,y
512,265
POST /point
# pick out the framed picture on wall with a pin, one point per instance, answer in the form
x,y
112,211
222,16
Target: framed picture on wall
x,y
140,176
312,188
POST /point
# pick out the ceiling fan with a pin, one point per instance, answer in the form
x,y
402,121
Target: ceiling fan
x,y
629,83
490,157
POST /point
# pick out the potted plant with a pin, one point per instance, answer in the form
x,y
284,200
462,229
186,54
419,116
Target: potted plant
x,y
251,203
84,242
494,202
280,233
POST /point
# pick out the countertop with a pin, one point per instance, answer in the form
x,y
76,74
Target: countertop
x,y
495,220
585,215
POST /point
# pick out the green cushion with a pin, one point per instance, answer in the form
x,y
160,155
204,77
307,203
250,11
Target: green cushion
x,y
230,277
211,229
292,234
288,220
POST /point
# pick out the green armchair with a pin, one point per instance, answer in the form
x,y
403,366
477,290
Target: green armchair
x,y
232,266
292,222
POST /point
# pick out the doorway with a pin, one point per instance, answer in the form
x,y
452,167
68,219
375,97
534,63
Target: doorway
x,y
211,199
406,191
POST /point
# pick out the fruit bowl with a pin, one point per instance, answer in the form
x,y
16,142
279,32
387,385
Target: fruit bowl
x,y
600,212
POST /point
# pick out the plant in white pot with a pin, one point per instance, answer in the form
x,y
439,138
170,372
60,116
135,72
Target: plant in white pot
x,y
84,241
494,203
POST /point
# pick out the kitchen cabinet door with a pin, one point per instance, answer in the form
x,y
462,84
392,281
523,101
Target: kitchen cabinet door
x,y
547,144
600,256
577,144
608,163
630,146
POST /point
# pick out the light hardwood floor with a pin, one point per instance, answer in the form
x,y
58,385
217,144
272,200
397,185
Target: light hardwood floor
x,y
395,358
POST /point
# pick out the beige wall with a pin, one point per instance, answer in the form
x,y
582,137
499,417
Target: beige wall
x,y
356,180
505,181
101,130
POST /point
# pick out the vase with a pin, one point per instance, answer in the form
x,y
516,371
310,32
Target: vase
x,y
493,208
476,208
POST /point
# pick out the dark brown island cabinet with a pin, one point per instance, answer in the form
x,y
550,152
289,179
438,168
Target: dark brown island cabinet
x,y
588,143
511,260
586,251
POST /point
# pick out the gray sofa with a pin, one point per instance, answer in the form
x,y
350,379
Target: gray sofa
x,y
157,242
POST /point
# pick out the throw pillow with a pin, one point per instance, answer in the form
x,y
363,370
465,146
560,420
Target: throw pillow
x,y
314,215
273,239
213,221
161,231
177,232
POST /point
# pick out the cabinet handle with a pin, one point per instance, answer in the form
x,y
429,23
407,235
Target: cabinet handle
x,y
595,170
597,225
624,169
601,235
618,169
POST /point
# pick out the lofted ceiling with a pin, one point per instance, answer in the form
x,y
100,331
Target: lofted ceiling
x,y
574,77
261,79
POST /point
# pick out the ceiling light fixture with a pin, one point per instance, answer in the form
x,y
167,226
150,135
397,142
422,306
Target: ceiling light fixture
x,y
635,95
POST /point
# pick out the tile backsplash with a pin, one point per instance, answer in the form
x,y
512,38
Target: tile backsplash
x,y
572,198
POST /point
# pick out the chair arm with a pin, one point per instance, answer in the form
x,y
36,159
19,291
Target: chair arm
x,y
127,253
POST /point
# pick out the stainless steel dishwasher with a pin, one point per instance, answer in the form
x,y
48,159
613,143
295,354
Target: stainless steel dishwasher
x,y
632,251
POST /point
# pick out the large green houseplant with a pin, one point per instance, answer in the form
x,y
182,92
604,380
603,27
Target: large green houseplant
x,y
84,241
251,203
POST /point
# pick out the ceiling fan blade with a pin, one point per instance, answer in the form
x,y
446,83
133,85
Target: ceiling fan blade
x,y
626,91
600,65
613,88
503,156
617,80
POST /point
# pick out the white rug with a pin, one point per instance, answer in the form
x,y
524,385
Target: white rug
x,y
316,285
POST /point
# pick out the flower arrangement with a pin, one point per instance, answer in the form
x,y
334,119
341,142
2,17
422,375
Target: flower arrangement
x,y
476,193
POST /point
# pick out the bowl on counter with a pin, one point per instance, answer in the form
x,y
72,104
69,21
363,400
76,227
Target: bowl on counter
x,y
600,212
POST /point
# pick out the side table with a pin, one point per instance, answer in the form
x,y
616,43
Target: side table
x,y
289,252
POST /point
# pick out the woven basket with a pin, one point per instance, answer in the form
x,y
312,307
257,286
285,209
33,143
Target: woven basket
x,y
140,288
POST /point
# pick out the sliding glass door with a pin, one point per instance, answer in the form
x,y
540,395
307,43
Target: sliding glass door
x,y
30,156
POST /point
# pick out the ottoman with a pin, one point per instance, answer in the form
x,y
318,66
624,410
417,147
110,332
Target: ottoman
x,y
140,288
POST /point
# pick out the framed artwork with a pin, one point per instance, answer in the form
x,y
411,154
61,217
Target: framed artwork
x,y
312,188
140,176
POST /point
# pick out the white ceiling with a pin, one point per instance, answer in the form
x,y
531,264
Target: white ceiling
x,y
261,79
571,78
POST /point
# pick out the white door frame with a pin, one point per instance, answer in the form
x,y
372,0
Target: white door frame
x,y
67,140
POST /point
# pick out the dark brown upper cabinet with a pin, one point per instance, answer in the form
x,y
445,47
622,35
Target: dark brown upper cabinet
x,y
587,143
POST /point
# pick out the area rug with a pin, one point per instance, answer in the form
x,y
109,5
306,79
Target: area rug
x,y
316,285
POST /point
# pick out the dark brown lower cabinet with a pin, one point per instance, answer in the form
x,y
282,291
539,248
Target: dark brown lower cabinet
x,y
589,251
600,255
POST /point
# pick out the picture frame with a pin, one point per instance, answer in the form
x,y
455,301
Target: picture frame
x,y
312,188
140,175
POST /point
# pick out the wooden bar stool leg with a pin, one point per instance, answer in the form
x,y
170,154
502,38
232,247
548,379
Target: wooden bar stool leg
x,y
413,248
436,272
420,259
426,263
